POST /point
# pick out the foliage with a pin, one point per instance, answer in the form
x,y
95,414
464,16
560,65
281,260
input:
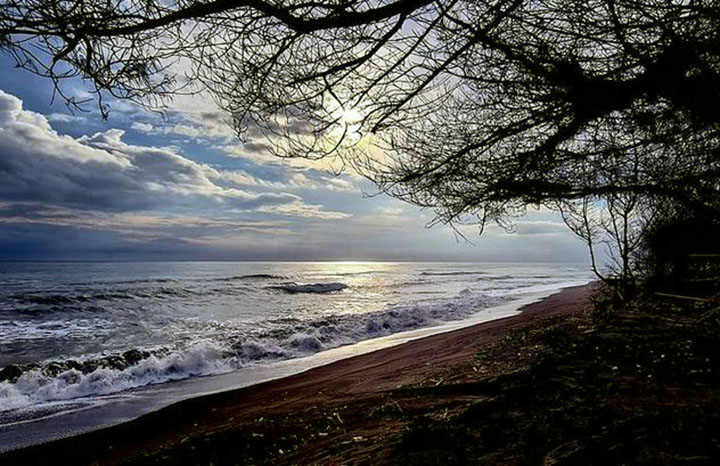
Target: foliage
x,y
681,253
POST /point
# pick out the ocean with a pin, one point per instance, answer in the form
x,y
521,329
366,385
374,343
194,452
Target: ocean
x,y
81,335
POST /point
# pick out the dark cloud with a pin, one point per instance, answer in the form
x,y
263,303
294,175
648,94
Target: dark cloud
x,y
103,172
540,228
256,147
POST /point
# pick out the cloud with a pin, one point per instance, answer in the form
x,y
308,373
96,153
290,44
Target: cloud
x,y
295,179
65,118
339,184
260,153
33,213
199,126
102,172
213,126
299,209
142,127
197,132
315,179
391,210
540,228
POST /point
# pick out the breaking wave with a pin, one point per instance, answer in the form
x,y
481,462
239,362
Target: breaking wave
x,y
310,287
30,385
252,276
67,380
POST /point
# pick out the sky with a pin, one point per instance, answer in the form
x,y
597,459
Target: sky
x,y
179,185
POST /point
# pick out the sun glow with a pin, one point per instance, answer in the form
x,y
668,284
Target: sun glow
x,y
352,117
347,124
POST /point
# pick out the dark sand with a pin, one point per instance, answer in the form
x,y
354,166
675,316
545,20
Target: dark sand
x,y
348,412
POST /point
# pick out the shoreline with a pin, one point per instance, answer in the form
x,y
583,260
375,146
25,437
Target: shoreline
x,y
348,380
91,414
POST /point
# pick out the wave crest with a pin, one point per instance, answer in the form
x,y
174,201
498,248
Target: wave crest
x,y
251,276
310,287
33,384
38,385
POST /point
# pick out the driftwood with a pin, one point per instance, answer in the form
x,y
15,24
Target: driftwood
x,y
677,296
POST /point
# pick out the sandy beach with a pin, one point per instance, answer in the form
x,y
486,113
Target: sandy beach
x,y
324,415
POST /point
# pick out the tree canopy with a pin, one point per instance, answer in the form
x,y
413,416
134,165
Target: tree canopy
x,y
469,107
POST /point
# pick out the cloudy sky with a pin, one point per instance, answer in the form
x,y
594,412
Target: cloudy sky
x,y
180,186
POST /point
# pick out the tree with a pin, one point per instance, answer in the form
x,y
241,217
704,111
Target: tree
x,y
614,223
680,250
473,108
618,223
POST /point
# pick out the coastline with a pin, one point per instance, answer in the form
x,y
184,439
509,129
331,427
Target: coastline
x,y
366,378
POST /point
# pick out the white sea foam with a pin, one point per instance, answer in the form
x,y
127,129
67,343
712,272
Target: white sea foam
x,y
35,387
281,339
22,331
78,335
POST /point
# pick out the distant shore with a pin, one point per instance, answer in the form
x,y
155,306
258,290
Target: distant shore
x,y
334,411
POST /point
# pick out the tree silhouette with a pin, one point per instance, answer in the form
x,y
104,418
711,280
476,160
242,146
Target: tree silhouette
x,y
472,108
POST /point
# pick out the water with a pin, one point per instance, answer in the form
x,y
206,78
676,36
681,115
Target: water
x,y
74,332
